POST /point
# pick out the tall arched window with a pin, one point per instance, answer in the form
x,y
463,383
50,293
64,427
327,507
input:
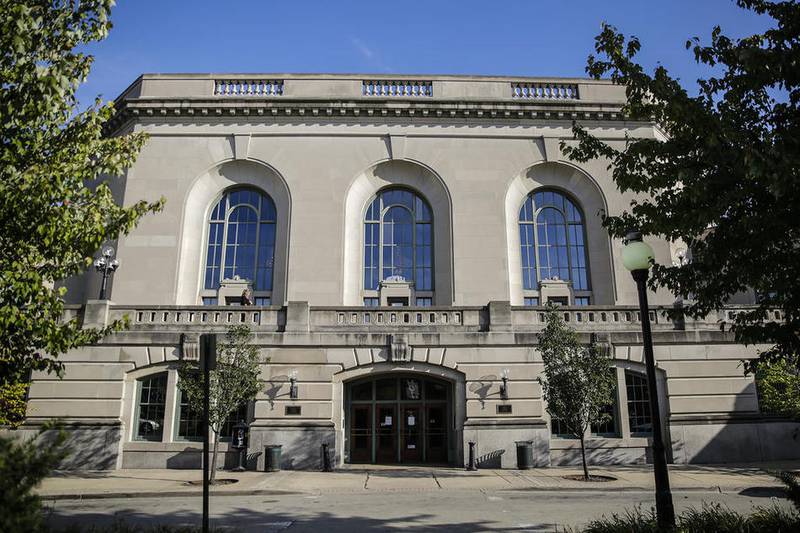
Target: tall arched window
x,y
241,242
553,244
398,241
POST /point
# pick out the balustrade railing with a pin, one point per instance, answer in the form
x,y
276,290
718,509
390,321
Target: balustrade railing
x,y
168,316
273,318
397,88
248,87
392,317
544,91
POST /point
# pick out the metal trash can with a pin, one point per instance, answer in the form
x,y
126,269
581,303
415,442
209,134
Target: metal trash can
x,y
524,454
272,458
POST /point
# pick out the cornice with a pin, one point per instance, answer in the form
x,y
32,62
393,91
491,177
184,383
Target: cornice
x,y
143,110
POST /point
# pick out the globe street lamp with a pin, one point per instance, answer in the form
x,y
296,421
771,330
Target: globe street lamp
x,y
105,265
636,257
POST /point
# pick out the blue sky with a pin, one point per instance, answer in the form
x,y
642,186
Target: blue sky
x,y
511,37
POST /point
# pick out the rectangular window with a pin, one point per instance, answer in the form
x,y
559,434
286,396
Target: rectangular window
x,y
190,421
557,300
557,429
532,301
152,402
608,428
581,300
424,302
638,404
372,302
209,300
263,300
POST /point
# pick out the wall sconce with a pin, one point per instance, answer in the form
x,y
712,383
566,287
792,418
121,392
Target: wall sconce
x,y
293,385
504,386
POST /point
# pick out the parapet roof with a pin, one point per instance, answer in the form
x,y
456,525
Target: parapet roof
x,y
335,96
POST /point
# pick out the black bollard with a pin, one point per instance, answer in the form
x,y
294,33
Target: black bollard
x,y
326,460
472,466
241,467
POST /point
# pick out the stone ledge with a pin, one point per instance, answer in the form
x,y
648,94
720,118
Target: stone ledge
x,y
731,418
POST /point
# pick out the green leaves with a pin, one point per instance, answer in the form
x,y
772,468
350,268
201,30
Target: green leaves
x,y
24,463
578,382
779,388
57,174
233,382
723,176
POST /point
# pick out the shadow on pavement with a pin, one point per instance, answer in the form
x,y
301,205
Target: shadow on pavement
x,y
247,520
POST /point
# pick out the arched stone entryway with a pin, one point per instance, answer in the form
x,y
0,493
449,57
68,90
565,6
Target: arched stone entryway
x,y
400,414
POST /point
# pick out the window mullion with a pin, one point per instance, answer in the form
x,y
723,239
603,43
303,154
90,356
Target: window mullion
x,y
257,246
536,247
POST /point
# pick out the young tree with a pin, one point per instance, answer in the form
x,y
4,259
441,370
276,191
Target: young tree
x,y
723,175
56,205
578,383
23,465
234,382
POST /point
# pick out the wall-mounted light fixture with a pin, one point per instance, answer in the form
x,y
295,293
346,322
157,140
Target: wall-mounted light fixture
x,y
504,386
293,393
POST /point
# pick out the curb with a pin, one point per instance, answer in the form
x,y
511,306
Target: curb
x,y
269,492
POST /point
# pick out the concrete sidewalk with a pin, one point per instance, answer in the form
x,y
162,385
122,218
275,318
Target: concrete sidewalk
x,y
369,478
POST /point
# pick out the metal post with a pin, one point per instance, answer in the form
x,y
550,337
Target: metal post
x,y
664,506
105,282
326,460
208,358
241,468
472,465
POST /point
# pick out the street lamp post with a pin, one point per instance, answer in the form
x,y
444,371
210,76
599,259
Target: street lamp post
x,y
105,265
636,257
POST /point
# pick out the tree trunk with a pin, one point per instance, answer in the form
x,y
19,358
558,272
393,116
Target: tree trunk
x,y
583,458
214,458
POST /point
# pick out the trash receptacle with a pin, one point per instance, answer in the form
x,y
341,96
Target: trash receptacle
x,y
272,458
524,454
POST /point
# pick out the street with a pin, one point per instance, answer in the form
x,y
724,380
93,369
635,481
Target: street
x,y
413,510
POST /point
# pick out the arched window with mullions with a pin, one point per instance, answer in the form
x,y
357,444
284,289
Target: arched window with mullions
x,y
398,241
241,242
553,244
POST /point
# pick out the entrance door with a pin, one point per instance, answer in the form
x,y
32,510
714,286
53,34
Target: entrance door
x,y
436,433
361,434
399,418
386,438
411,434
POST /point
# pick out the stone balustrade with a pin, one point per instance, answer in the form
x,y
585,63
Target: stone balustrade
x,y
392,318
545,91
238,87
299,317
198,90
397,88
198,317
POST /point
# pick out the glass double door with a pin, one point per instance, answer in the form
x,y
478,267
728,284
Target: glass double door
x,y
398,433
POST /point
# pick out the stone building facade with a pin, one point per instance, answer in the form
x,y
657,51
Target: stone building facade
x,y
399,236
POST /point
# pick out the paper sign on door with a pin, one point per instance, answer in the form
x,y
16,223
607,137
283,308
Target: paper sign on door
x,y
412,421
387,421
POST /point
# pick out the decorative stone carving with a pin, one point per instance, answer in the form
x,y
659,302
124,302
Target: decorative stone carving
x,y
557,290
230,290
397,288
190,346
399,352
603,343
